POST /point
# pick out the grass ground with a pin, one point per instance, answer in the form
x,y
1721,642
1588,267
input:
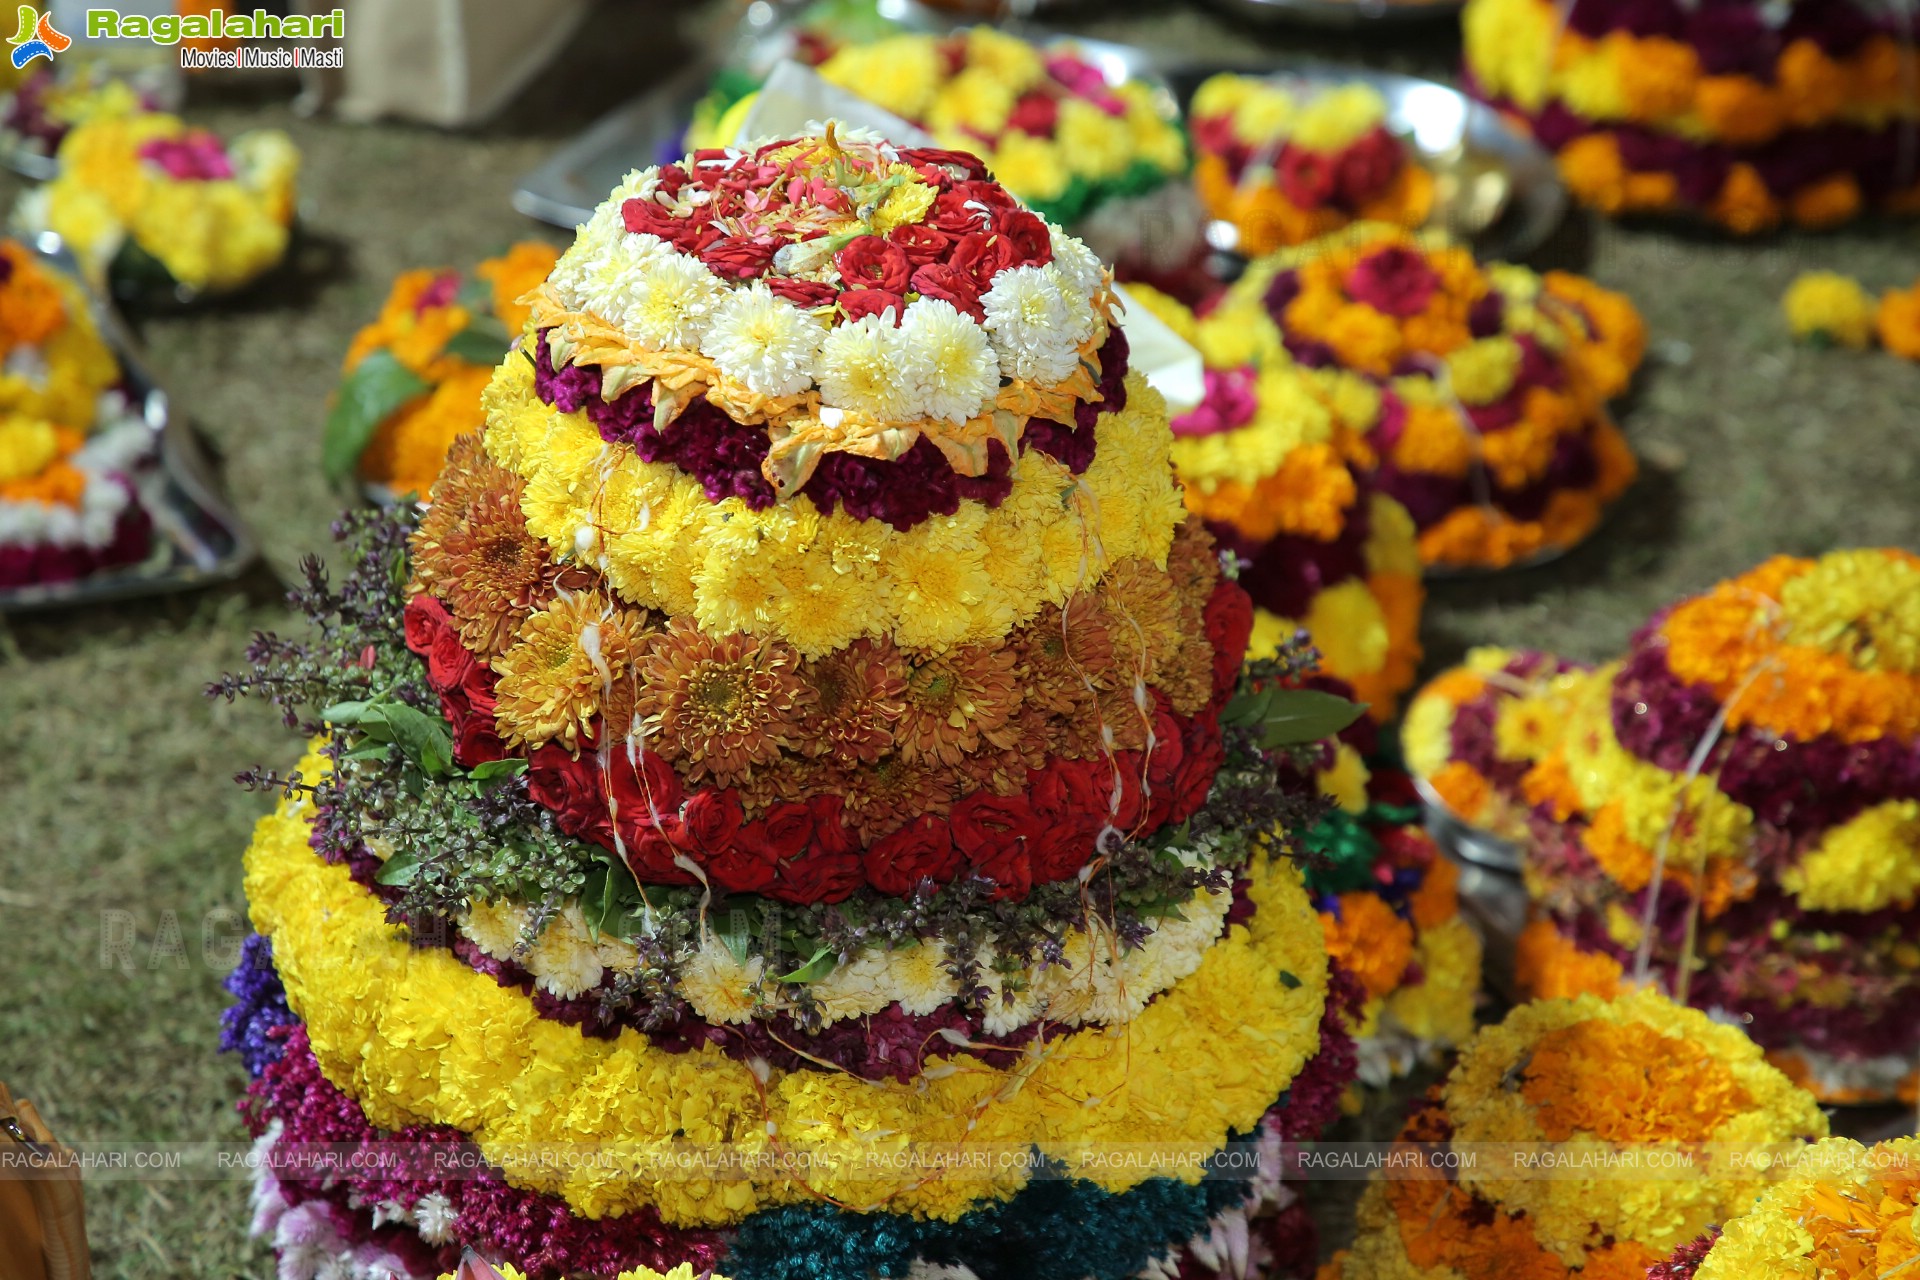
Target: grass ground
x,y
114,771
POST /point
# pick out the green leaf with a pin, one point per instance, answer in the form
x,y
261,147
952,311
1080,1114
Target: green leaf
x,y
818,966
594,904
341,713
400,869
368,751
424,738
378,385
1288,981
1293,717
492,769
477,345
734,928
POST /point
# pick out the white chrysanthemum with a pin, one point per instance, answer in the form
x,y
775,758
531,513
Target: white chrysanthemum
x,y
920,978
1079,307
1030,325
565,961
434,1216
720,988
495,928
672,303
609,284
863,367
950,362
854,989
1005,1011
764,341
1079,264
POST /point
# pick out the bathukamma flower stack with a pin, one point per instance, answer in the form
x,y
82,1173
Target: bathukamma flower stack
x,y
795,779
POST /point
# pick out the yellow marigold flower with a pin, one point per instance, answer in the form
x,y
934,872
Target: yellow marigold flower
x,y
899,73
1009,59
1222,94
1825,305
1264,115
1334,120
1348,627
1509,47
27,447
1093,144
1482,372
1439,1007
1868,863
1032,167
1345,781
975,99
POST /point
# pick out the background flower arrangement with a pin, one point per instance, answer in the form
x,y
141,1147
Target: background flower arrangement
x,y
70,447
1284,170
1481,391
1587,1077
1754,750
1268,460
412,379
1750,115
784,825
1824,307
148,200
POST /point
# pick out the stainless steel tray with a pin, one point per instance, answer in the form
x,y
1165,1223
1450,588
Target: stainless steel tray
x,y
1453,136
566,188
198,539
1465,841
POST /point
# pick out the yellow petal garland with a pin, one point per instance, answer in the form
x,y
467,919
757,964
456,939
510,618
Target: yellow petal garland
x,y
418,1037
822,581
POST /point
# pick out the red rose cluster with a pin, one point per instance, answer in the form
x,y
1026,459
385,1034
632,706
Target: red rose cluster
x,y
736,212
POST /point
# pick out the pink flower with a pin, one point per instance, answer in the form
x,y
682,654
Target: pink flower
x,y
194,156
1229,403
1394,281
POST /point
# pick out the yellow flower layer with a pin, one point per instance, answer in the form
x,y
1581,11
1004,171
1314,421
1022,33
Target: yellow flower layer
x,y
1867,863
416,1036
1439,1008
821,582
77,366
1569,1214
1852,1217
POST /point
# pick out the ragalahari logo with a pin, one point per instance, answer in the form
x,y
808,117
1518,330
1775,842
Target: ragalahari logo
x,y
36,37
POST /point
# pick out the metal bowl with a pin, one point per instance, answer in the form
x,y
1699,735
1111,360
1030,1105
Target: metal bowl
x,y
1461,838
1339,13
1496,187
198,539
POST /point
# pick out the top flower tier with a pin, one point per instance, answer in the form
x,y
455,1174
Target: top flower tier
x,y
847,296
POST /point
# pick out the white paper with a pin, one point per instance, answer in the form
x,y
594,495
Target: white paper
x,y
1167,361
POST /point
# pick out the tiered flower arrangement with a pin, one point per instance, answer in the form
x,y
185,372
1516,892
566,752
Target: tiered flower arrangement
x,y
69,446
156,202
1846,1212
1741,790
1389,903
1825,308
1284,170
808,746
1746,113
1591,1083
412,379
40,105
1282,480
1481,392
1102,159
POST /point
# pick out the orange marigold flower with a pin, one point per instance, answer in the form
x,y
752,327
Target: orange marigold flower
x,y
723,705
1649,192
859,694
561,662
31,308
1462,788
1658,77
1400,596
1815,86
1433,441
1744,205
1610,337
410,445
1739,110
1364,339
1548,966
1369,940
1627,1082
517,272
1897,321
1594,172
1826,203
956,702
1406,202
1548,782
1309,496
1437,900
417,336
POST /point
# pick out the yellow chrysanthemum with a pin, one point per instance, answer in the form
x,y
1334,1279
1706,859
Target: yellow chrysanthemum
x,y
1822,304
1868,863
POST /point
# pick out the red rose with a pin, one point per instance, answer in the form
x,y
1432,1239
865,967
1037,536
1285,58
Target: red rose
x,y
1026,237
737,258
655,857
923,849
871,263
1394,281
644,787
968,207
805,294
950,284
1229,620
711,819
1306,177
644,217
692,238
571,789
982,255
922,244
942,166
1073,809
423,619
475,741
993,831
1035,113
784,832
448,660
856,304
828,869
746,866
1205,754
1369,166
